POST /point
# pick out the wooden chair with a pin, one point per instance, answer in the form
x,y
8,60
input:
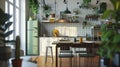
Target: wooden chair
x,y
85,58
65,53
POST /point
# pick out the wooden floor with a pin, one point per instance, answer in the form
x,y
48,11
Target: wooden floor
x,y
89,62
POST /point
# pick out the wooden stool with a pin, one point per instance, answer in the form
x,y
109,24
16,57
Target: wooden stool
x,y
46,55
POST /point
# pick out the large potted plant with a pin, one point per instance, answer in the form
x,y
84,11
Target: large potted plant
x,y
17,62
110,33
5,51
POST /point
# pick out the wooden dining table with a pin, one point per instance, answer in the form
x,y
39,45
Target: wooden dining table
x,y
84,44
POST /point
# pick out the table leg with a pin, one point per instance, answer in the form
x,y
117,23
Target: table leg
x,y
56,56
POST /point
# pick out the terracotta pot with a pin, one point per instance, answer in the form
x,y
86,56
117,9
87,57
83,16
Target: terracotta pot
x,y
17,62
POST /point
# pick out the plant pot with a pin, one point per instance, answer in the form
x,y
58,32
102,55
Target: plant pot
x,y
5,53
109,62
34,17
17,62
119,59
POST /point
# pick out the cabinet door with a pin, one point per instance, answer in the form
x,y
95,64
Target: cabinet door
x,y
42,45
47,41
32,38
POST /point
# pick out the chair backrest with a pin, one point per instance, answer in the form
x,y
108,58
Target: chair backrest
x,y
65,46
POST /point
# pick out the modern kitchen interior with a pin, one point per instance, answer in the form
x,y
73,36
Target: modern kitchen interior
x,y
67,33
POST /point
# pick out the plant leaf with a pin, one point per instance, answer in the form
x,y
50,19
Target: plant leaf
x,y
108,14
106,36
103,27
116,39
117,5
4,17
8,33
7,25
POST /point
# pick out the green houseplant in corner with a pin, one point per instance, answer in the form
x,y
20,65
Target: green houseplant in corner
x,y
110,33
16,62
5,51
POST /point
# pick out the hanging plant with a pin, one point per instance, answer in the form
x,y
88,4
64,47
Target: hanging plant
x,y
85,3
46,9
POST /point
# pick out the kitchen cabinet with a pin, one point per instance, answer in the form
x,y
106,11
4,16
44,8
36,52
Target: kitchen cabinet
x,y
32,37
47,41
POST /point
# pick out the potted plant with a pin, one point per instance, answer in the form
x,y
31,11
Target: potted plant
x,y
46,9
34,6
17,62
110,33
5,51
85,3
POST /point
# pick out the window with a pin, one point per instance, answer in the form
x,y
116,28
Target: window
x,y
16,8
13,8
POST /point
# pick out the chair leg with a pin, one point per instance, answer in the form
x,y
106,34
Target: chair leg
x,y
79,62
75,61
60,62
46,55
71,62
82,63
88,60
52,55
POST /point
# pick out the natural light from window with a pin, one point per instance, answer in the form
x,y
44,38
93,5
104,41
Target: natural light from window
x,y
13,8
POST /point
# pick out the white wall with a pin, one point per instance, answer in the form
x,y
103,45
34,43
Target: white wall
x,y
72,4
70,29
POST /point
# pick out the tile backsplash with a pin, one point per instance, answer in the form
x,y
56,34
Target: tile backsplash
x,y
70,29
67,29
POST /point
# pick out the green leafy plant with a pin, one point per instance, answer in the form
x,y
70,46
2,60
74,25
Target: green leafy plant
x,y
46,7
115,13
110,32
34,6
5,51
4,26
85,3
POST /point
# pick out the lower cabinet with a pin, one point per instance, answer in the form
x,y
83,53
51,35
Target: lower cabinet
x,y
47,41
